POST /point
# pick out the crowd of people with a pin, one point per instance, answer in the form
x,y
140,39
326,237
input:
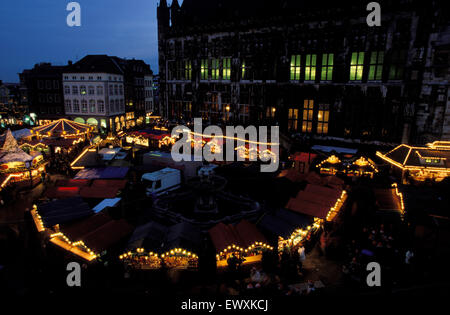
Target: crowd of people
x,y
376,243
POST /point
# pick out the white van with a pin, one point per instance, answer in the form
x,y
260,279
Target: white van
x,y
162,181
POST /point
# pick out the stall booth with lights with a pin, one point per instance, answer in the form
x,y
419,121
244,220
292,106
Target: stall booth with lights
x,y
16,166
242,240
352,167
288,228
72,225
419,164
154,245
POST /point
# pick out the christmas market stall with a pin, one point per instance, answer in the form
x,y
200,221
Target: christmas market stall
x,y
420,163
318,201
16,166
154,245
288,228
242,241
73,226
389,201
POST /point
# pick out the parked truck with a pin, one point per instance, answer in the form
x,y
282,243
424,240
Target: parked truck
x,y
162,181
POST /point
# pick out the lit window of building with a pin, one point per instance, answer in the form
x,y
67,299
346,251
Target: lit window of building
x,y
188,70
376,65
310,67
83,90
293,119
270,113
357,66
204,69
308,114
295,67
323,116
226,68
215,69
327,67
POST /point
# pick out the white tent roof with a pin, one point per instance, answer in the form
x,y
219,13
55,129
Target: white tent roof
x,y
10,151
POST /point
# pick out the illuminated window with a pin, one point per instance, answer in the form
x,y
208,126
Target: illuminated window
x,y
188,70
270,112
293,119
243,70
68,105
310,67
295,67
84,105
357,66
76,106
323,116
204,69
215,69
82,90
308,112
226,68
397,63
376,65
327,67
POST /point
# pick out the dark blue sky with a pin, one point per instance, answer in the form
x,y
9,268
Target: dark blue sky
x,y
33,31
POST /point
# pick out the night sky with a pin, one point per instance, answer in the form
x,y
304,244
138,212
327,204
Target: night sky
x,y
33,31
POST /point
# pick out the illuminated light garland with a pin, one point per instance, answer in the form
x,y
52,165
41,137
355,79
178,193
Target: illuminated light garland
x,y
400,195
88,149
237,249
60,239
337,207
441,172
226,137
299,234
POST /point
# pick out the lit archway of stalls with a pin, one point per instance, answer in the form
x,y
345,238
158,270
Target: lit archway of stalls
x,y
330,166
362,167
242,240
62,128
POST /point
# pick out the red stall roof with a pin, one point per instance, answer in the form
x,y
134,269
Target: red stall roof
x,y
243,235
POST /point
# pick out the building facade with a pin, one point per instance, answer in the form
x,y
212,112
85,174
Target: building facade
x,y
94,93
41,89
107,92
314,68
